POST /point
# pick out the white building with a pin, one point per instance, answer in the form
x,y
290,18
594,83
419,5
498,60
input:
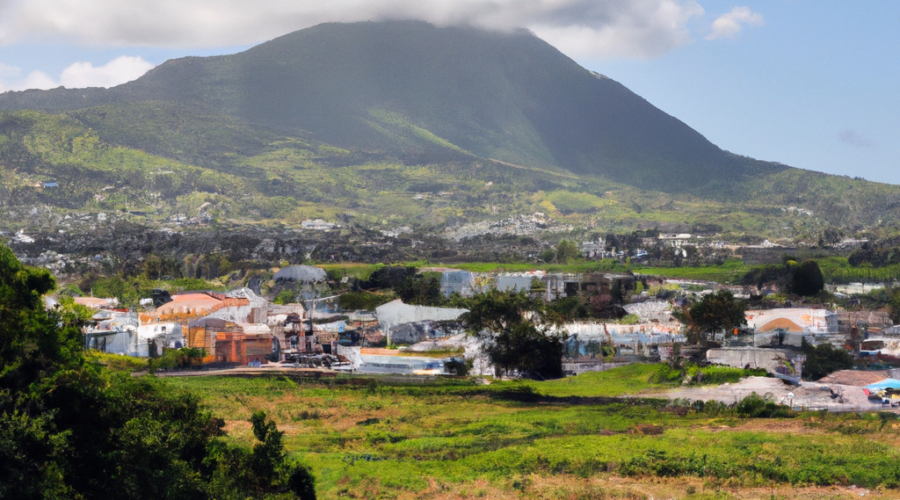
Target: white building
x,y
793,320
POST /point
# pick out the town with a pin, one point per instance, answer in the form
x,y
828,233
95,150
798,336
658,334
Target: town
x,y
309,320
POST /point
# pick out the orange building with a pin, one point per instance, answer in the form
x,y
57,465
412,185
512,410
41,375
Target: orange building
x,y
237,346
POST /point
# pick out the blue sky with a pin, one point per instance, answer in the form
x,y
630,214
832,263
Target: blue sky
x,y
816,87
809,84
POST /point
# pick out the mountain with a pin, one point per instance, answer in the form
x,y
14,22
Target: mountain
x,y
426,93
397,123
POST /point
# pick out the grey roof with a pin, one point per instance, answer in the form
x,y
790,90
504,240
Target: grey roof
x,y
303,274
209,323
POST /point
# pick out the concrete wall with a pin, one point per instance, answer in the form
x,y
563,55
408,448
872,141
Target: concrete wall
x,y
769,359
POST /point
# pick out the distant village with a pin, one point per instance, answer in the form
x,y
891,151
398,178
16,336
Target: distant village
x,y
242,329
297,320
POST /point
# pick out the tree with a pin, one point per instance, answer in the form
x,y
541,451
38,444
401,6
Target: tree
x,y
894,305
71,429
831,236
547,255
566,251
714,312
516,333
823,359
807,279
420,290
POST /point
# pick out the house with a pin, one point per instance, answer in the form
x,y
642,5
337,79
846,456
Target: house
x,y
593,249
675,240
152,339
245,343
187,306
112,332
123,333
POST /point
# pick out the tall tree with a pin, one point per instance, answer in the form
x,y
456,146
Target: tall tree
x,y
517,333
807,279
70,429
421,290
566,251
714,312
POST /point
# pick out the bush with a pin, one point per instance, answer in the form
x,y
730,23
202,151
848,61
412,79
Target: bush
x,y
753,406
286,296
355,301
823,359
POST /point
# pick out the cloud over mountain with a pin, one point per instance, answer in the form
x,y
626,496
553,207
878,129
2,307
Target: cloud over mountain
x,y
78,75
582,28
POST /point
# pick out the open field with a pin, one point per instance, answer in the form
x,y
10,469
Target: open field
x,y
370,438
834,269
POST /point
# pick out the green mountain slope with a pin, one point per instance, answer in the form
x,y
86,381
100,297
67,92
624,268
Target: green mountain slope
x,y
247,175
431,94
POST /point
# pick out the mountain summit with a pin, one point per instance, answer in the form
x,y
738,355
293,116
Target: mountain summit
x,y
413,89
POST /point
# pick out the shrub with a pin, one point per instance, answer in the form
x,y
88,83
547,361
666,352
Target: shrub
x,y
823,359
754,406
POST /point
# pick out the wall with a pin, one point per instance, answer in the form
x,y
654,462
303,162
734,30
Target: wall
x,y
769,359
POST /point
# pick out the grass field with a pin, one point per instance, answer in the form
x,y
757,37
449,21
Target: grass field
x,y
368,438
834,269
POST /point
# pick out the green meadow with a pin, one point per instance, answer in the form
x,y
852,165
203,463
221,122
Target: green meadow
x,y
597,435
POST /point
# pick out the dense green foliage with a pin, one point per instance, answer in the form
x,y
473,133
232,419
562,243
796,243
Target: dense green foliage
x,y
678,372
184,357
71,429
804,279
824,359
515,330
354,301
894,305
566,251
807,279
714,312
420,289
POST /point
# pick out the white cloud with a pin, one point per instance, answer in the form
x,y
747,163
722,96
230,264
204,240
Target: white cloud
x,y
79,75
604,28
120,70
730,25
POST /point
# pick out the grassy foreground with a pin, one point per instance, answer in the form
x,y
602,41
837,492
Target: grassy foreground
x,y
369,438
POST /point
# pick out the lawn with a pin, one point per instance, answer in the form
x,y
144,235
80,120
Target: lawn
x,y
370,438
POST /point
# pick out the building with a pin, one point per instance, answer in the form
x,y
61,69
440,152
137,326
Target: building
x,y
793,320
417,323
675,240
123,333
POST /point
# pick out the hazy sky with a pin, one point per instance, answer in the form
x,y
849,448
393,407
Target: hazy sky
x,y
813,84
